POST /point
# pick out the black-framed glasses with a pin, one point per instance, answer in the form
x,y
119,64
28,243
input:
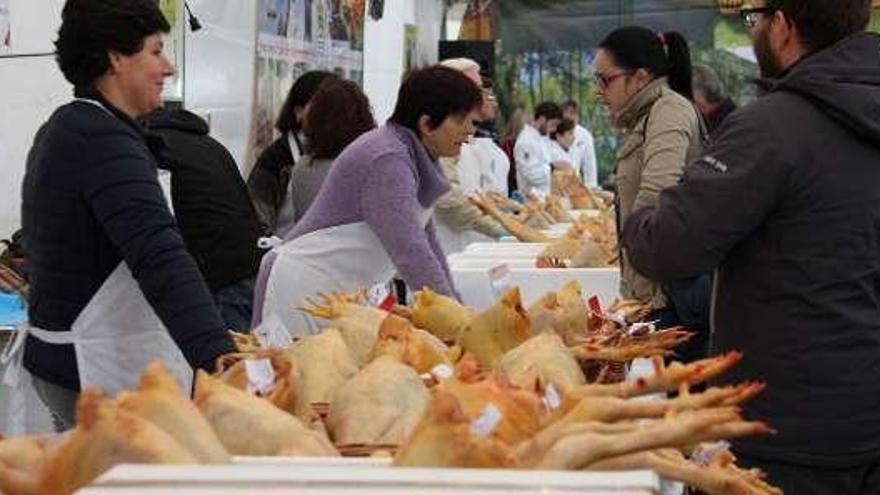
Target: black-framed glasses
x,y
604,80
751,15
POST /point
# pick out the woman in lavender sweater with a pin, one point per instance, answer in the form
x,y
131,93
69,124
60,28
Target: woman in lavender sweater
x,y
372,216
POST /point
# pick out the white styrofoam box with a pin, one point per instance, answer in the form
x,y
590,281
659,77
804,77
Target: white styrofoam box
x,y
476,291
381,462
498,248
499,256
487,263
342,479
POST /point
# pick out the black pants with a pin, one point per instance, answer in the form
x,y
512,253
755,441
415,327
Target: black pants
x,y
694,349
796,479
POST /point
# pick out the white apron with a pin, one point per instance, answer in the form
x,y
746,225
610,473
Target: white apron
x,y
115,336
345,258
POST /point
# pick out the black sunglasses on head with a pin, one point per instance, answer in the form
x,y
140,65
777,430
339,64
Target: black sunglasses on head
x,y
750,15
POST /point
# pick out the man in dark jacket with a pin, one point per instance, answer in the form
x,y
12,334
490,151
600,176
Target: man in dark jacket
x,y
786,205
213,209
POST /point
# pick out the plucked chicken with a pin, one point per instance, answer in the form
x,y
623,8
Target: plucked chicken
x,y
357,323
249,425
439,314
409,345
106,435
380,405
544,357
495,331
326,363
158,399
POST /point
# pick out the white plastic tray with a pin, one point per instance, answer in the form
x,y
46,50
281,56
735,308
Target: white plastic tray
x,y
476,291
346,479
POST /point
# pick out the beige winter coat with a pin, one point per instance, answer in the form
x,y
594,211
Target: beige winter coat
x,y
660,134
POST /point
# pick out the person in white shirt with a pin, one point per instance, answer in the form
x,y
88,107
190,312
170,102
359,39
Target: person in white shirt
x,y
494,163
532,152
563,141
458,221
584,149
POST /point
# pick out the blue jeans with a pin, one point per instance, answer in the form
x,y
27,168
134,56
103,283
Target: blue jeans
x,y
236,304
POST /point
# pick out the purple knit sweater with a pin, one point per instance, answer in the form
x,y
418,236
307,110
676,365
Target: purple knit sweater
x,y
385,179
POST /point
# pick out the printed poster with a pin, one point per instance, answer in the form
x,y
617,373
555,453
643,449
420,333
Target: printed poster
x,y
173,11
410,48
294,37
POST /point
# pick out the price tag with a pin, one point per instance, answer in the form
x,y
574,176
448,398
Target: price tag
x,y
442,372
643,328
381,296
260,375
551,398
486,422
499,279
272,333
595,307
703,456
618,318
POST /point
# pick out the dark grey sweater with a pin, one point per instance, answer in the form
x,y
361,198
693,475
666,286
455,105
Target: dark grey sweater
x,y
91,199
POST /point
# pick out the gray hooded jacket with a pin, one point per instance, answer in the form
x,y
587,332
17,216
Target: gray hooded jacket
x,y
786,204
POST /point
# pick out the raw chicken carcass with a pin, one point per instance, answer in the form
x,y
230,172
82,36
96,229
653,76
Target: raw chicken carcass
x,y
440,315
105,436
21,460
497,330
380,405
414,347
357,323
326,363
579,445
564,312
521,410
159,400
248,425
521,231
445,437
545,356
287,389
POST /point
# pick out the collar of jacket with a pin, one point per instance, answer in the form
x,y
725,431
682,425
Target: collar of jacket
x,y
641,103
154,143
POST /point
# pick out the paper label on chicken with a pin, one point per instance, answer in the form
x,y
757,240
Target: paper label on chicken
x,y
551,397
643,328
703,455
442,372
272,333
378,296
261,376
486,422
499,279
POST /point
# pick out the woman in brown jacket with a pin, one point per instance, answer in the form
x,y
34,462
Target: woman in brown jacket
x,y
644,79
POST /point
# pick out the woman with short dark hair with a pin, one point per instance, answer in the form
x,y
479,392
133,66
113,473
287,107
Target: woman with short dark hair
x,y
112,284
372,217
337,115
269,181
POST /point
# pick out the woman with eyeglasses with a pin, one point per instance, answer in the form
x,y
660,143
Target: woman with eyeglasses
x,y
644,78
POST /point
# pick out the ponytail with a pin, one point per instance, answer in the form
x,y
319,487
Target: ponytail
x,y
679,69
635,47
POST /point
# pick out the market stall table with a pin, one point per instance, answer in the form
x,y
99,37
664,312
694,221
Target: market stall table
x,y
346,477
